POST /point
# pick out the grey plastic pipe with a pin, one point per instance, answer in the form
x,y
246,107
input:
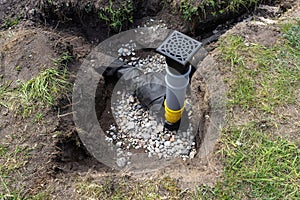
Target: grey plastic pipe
x,y
176,88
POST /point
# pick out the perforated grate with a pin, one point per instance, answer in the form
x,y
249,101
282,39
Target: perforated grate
x,y
179,47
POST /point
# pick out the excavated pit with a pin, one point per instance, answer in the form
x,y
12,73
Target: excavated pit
x,y
94,116
117,106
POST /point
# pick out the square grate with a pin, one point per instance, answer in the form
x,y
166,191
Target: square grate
x,y
179,47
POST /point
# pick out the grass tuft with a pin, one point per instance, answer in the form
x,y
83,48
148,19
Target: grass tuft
x,y
42,90
117,18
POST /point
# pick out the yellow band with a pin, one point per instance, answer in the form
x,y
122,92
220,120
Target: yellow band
x,y
173,116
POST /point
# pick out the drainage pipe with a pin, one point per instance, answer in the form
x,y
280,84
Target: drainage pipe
x,y
175,93
178,50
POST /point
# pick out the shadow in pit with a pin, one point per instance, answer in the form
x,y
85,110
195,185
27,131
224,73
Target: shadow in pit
x,y
72,156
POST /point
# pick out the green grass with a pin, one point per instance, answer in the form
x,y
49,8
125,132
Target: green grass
x,y
10,22
63,60
43,89
188,10
262,78
192,10
256,166
12,160
14,157
117,18
4,94
236,5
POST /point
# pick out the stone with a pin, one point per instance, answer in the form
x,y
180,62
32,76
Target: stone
x,y
179,148
192,154
172,139
160,128
188,134
160,155
121,162
120,153
148,125
151,142
153,137
120,51
167,136
167,143
184,152
153,123
108,139
149,149
119,144
130,125
146,136
157,143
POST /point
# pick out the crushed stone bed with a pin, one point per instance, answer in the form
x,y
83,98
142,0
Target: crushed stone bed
x,y
140,129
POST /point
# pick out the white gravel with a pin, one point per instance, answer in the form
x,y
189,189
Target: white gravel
x,y
137,128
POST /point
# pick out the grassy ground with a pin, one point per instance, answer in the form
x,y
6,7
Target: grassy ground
x,y
12,159
264,78
258,162
27,100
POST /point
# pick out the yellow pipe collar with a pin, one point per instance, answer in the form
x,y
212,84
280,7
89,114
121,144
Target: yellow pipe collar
x,y
173,116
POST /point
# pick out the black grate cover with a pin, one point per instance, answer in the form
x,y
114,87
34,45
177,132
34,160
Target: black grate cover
x,y
179,47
